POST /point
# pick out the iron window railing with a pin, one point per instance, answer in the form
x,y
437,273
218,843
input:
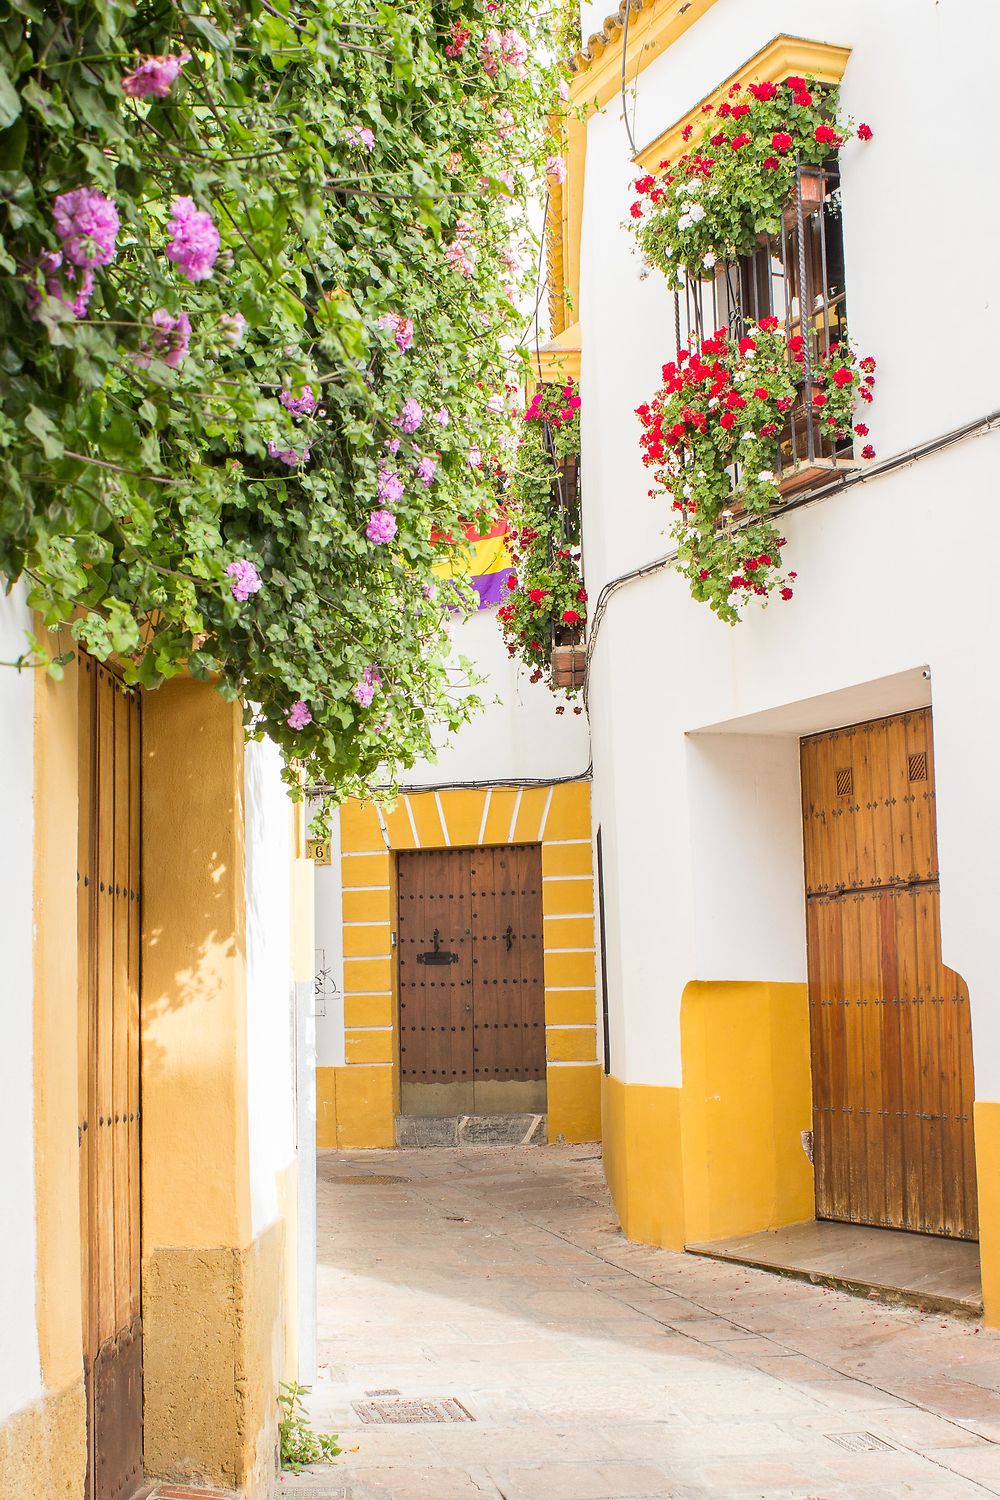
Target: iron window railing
x,y
797,276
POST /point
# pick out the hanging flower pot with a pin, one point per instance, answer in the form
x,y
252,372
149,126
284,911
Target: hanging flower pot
x,y
812,191
569,666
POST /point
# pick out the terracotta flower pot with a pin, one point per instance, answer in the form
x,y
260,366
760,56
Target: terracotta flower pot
x,y
569,665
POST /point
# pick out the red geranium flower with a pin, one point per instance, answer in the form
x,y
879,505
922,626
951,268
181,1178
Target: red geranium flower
x,y
511,582
763,91
770,163
861,429
636,210
781,141
739,141
868,451
769,324
570,617
796,84
843,377
537,595
864,132
746,345
826,135
786,593
819,398
761,393
804,99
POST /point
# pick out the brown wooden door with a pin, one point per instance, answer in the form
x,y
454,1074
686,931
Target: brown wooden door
x,y
471,980
890,1029
108,908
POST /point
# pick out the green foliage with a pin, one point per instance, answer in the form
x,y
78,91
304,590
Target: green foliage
x,y
547,604
713,436
721,194
299,1445
130,480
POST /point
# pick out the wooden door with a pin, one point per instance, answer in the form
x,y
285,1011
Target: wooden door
x,y
108,933
471,981
890,1030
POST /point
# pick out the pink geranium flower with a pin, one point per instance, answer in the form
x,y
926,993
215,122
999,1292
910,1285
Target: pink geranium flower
x,y
154,76
193,239
245,579
381,526
87,223
299,715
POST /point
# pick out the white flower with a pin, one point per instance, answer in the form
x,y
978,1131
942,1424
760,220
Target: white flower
x,y
697,212
713,403
766,477
688,208
684,222
727,515
694,186
686,492
708,260
747,437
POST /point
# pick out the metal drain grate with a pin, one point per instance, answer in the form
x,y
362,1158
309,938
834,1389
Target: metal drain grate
x,y
366,1179
389,1390
860,1442
406,1411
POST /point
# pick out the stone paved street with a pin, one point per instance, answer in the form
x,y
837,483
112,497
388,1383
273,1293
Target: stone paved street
x,y
600,1370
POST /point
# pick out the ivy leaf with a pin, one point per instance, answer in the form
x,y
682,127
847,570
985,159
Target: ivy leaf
x,y
10,102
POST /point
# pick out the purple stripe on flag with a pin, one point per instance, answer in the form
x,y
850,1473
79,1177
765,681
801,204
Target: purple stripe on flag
x,y
491,587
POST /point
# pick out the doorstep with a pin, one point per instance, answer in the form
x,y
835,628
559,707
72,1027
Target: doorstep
x,y
921,1270
186,1492
425,1131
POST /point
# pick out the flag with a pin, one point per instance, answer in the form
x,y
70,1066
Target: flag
x,y
482,558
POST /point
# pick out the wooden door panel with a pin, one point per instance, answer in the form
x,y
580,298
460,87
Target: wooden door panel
x,y
480,1019
891,1042
509,976
108,1001
435,996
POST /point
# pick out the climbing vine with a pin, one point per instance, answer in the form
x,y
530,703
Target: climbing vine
x,y
260,264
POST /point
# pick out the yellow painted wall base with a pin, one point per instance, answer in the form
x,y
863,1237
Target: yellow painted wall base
x,y
642,1160
574,1103
722,1154
986,1114
746,1099
43,1448
214,1339
355,1108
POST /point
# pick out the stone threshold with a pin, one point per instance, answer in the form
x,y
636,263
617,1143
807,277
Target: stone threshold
x,y
918,1270
426,1131
186,1492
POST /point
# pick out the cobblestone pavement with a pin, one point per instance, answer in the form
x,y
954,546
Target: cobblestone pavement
x,y
600,1370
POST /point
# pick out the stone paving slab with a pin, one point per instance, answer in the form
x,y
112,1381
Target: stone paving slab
x,y
601,1370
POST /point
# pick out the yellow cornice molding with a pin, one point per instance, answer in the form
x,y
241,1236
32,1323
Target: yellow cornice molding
x,y
654,25
782,56
559,358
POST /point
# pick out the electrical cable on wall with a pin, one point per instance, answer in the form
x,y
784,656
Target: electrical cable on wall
x,y
627,7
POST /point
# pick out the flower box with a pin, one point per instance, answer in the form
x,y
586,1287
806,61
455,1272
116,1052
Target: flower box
x,y
812,471
569,665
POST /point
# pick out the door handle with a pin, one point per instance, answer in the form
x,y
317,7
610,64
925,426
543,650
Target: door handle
x,y
508,938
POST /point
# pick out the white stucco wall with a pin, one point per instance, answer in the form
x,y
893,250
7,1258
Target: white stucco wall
x,y
270,1016
20,1377
703,858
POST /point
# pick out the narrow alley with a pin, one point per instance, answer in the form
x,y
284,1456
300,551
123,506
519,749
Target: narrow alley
x,y
597,1369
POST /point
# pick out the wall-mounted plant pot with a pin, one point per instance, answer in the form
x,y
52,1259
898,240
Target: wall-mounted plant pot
x,y
812,471
569,665
812,190
566,488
